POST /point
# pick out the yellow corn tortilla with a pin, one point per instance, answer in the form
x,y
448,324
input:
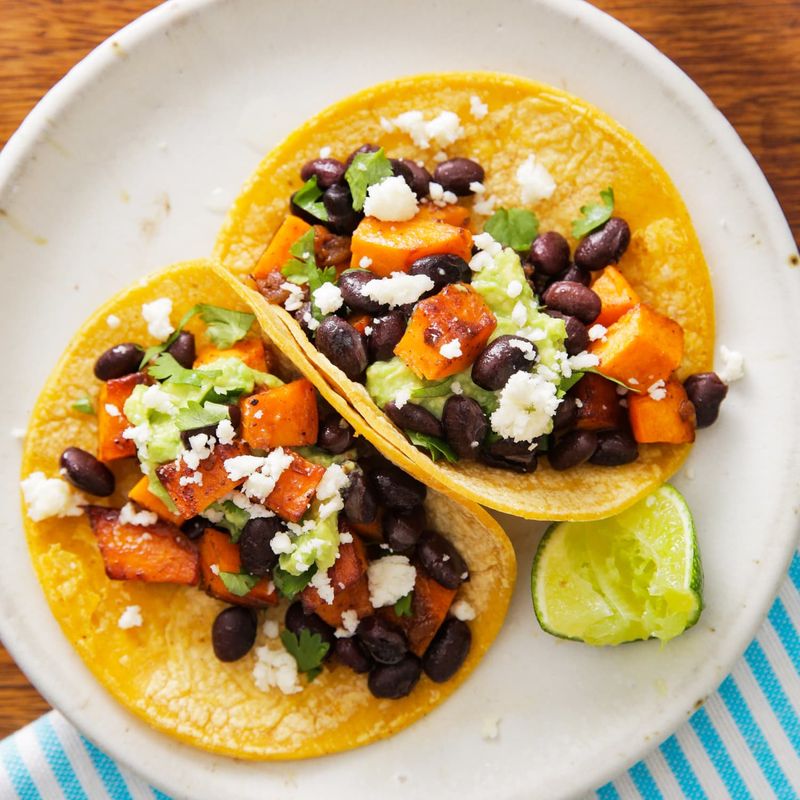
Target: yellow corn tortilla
x,y
165,670
585,151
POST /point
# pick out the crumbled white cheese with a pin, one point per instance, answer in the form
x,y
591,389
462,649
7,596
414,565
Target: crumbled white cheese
x,y
633,382
391,200
596,332
131,618
657,390
321,581
398,289
583,360
201,445
328,298
514,289
436,191
365,262
456,387
128,515
241,467
349,624
480,261
139,435
214,569
462,610
50,497
477,187
276,668
195,478
491,728
519,314
155,398
732,365
485,205
261,481
113,321
578,402
535,182
443,130
156,315
402,397
325,152
270,628
525,408
112,410
329,490
527,348
311,323
440,156
225,432
390,578
477,107
451,349
387,125
345,537
281,543
295,299
487,243
259,414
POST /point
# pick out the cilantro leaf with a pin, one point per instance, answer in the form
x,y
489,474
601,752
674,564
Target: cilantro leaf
x,y
165,367
308,651
238,583
567,383
225,327
84,405
308,196
195,415
288,585
613,380
594,214
513,227
440,389
437,448
403,606
234,518
366,169
302,267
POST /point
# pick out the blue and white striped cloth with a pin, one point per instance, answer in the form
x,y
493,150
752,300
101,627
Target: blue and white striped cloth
x,y
743,743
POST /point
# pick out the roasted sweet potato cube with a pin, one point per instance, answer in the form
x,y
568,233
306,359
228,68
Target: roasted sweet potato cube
x,y
350,589
458,319
157,553
642,347
283,417
142,495
370,530
277,251
616,295
250,350
451,214
295,489
219,554
395,246
597,402
670,420
111,445
360,321
191,494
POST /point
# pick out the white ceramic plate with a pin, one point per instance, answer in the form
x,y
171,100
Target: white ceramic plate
x,y
129,163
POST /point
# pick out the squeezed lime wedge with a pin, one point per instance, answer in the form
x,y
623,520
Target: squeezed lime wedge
x,y
633,576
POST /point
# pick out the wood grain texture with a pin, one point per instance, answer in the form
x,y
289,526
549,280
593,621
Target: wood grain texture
x,y
745,55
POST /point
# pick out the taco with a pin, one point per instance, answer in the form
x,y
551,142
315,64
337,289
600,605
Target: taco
x,y
239,567
499,279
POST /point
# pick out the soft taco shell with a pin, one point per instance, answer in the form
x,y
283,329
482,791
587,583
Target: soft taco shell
x,y
165,671
585,151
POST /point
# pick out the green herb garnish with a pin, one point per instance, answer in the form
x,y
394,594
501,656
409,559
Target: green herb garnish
x,y
308,651
403,606
513,227
196,415
302,267
288,585
165,367
238,583
437,448
84,405
594,214
308,196
366,169
440,389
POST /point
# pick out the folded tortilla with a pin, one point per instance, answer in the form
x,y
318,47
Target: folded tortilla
x,y
165,671
585,151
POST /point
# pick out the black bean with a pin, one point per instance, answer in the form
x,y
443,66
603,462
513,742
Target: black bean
x,y
327,170
575,274
442,269
615,448
255,545
365,148
386,333
343,346
353,654
118,361
415,175
385,643
398,489
335,436
351,285
195,527
342,217
572,449
448,650
296,620
440,559
508,454
706,391
604,246
83,470
413,417
465,425
235,415
549,253
500,359
183,349
234,633
566,415
403,530
360,503
573,299
577,335
394,681
456,174
539,283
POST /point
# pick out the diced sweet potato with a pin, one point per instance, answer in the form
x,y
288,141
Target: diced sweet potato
x,y
670,420
157,553
360,321
295,489
350,589
642,347
219,554
191,498
451,214
277,252
616,296
142,495
250,350
111,445
457,313
286,416
394,246
598,403
370,530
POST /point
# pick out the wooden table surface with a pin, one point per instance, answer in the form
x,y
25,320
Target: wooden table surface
x,y
744,53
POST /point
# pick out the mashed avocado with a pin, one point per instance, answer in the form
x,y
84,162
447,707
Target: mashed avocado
x,y
317,544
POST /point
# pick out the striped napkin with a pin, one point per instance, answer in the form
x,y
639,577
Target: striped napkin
x,y
743,743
